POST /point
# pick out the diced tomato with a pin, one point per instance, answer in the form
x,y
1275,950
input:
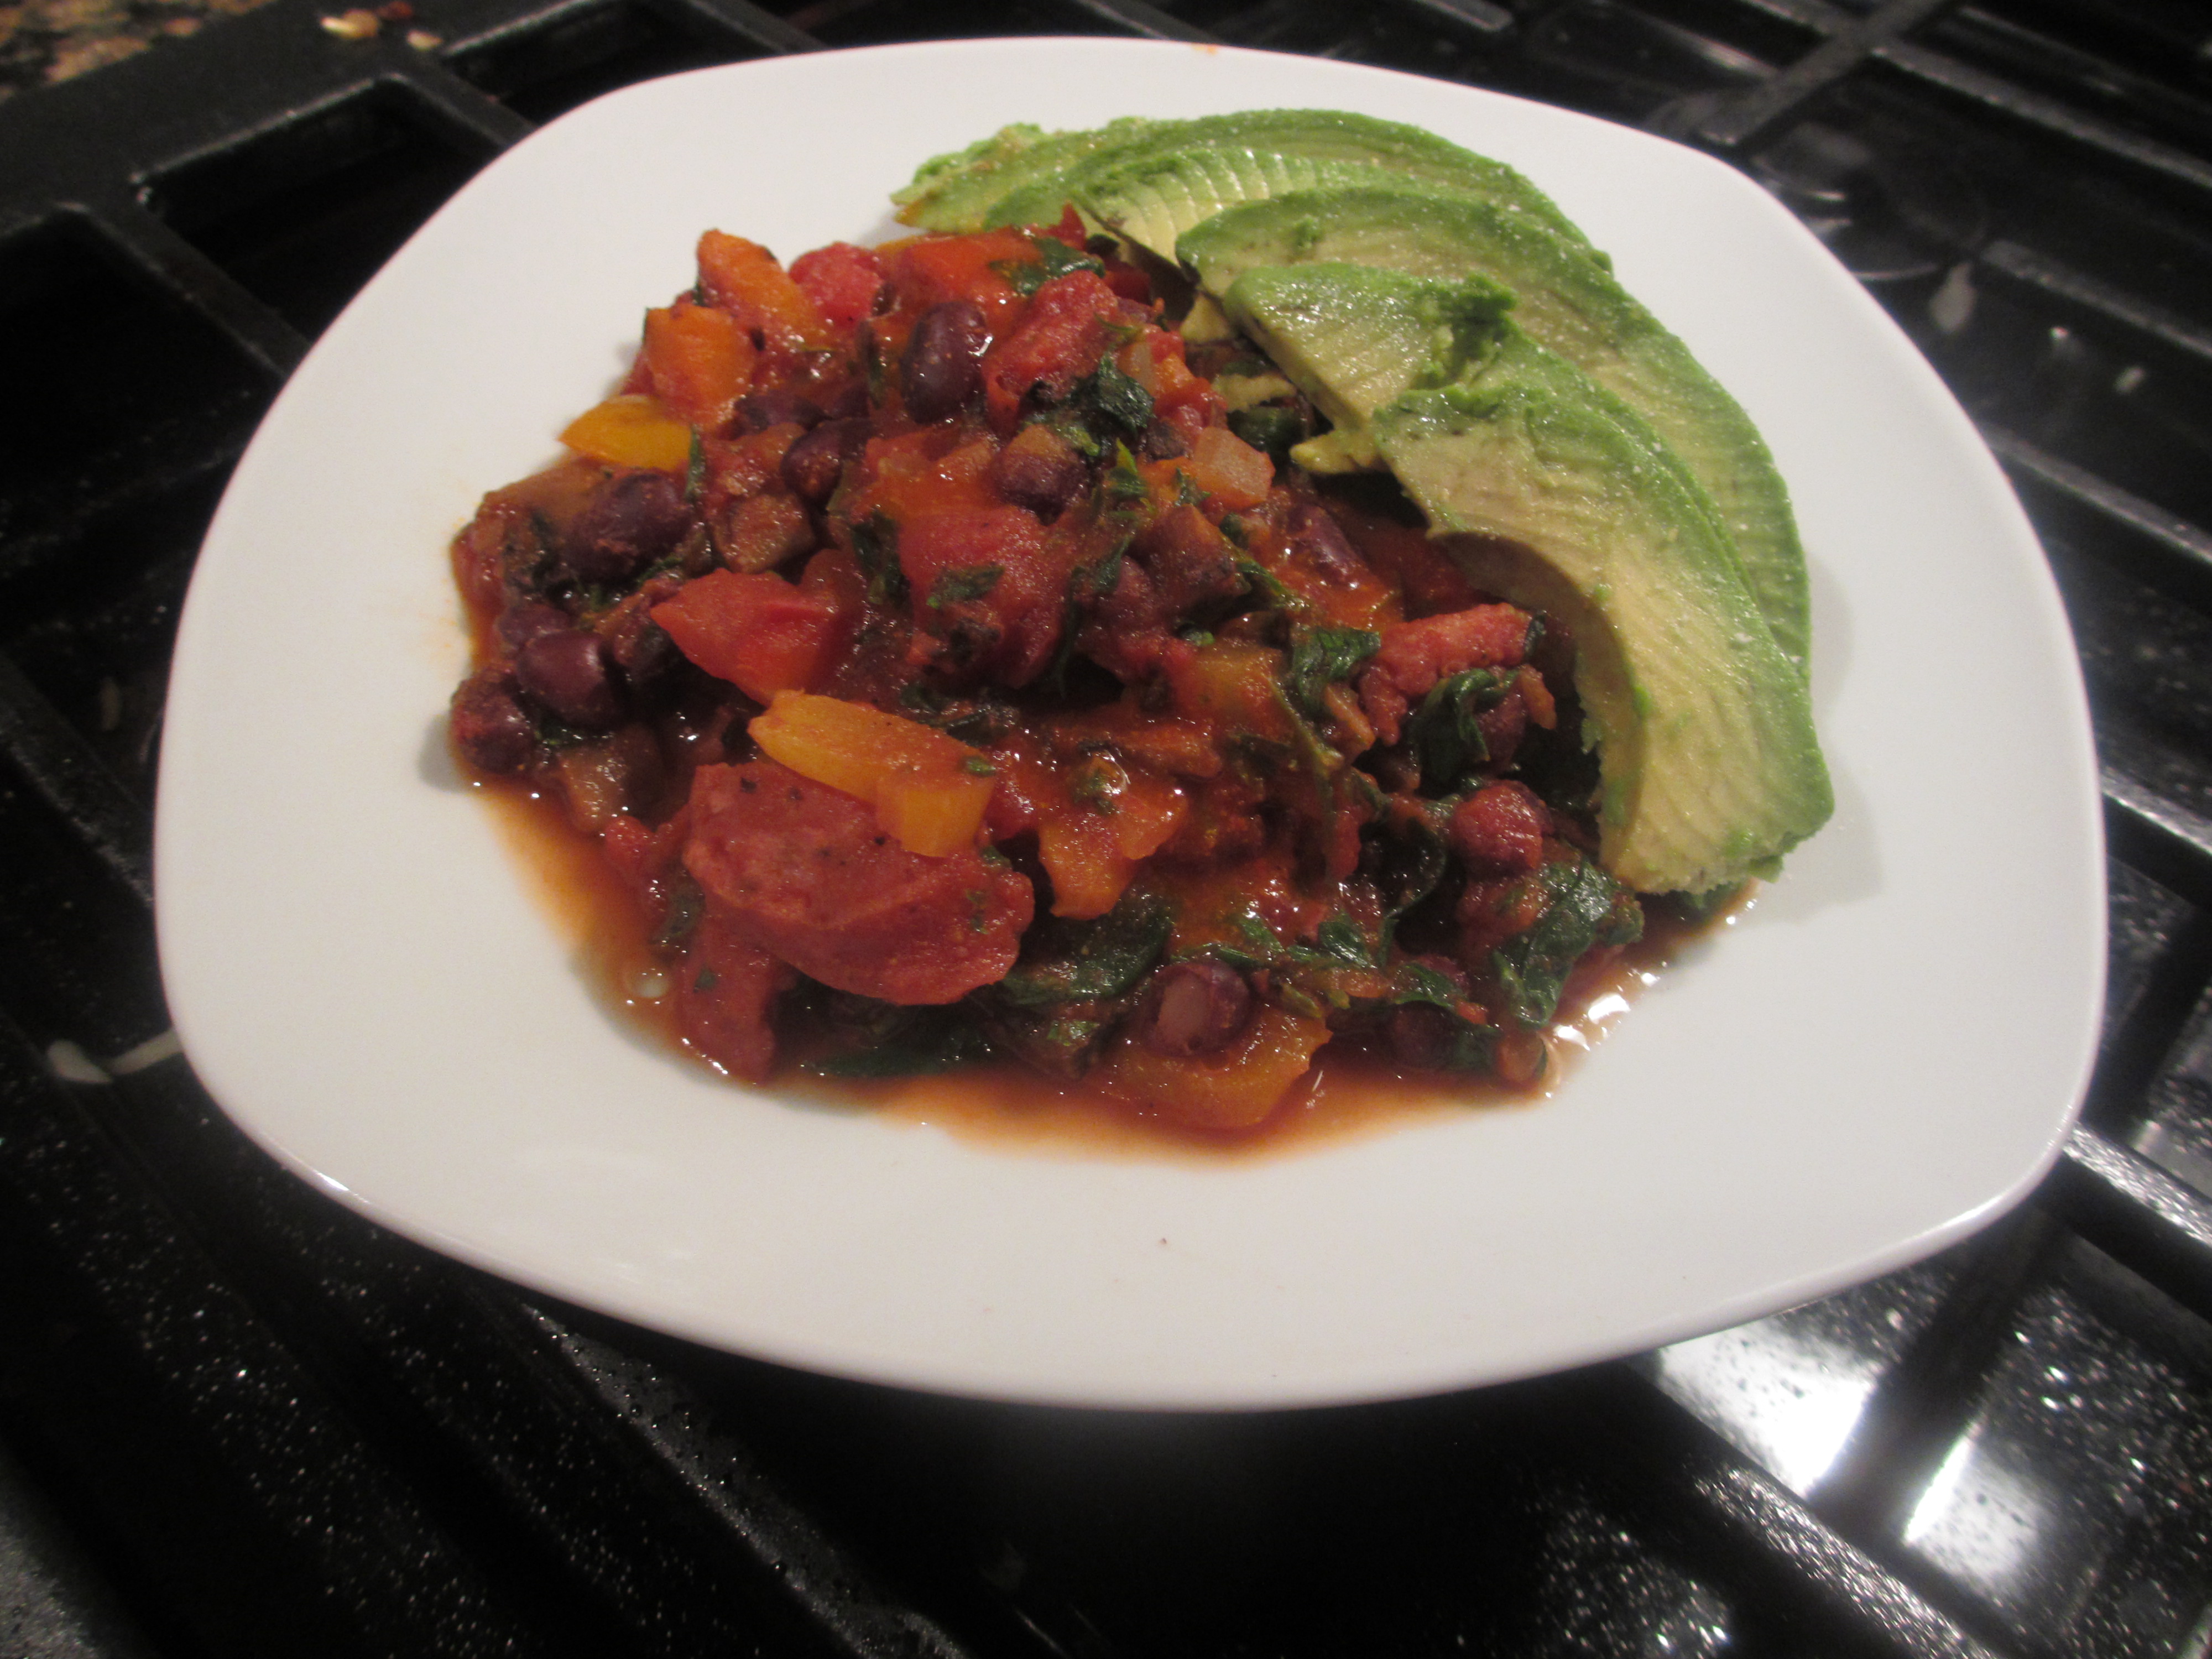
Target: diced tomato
x,y
1229,470
930,270
991,580
1069,229
806,874
1415,655
843,281
1070,323
758,632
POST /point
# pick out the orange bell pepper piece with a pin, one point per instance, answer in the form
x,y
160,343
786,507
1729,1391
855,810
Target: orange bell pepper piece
x,y
744,279
1235,1089
631,430
929,792
701,361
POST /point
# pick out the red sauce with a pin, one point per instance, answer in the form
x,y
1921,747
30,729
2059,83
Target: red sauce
x,y
1350,1093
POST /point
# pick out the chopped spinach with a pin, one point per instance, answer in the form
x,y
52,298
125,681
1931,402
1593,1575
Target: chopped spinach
x,y
695,468
1320,656
1119,397
1053,259
975,581
931,1040
1583,906
1269,427
1088,961
1445,732
875,549
981,719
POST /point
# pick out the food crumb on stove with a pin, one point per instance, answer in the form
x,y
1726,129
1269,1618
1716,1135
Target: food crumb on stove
x,y
355,25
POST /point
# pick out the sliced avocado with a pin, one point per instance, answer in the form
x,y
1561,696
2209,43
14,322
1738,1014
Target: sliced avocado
x,y
954,192
1025,176
1554,494
1570,305
1353,339
1154,196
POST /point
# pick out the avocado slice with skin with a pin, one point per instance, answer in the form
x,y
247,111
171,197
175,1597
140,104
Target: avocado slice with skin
x,y
1569,304
1024,176
1552,492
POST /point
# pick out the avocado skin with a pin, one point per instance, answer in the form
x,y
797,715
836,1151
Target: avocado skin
x,y
1554,494
1571,304
1022,175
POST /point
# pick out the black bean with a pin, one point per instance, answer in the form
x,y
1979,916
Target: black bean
x,y
1310,530
489,728
943,364
1162,442
644,652
519,625
777,407
812,465
1043,484
1424,1037
632,519
1193,1007
568,675
852,400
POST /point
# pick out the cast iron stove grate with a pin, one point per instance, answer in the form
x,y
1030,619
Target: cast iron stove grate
x,y
234,1419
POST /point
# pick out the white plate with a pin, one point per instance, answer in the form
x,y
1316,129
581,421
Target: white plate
x,y
1882,1055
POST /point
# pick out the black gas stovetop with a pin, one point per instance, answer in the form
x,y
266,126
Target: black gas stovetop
x,y
235,1419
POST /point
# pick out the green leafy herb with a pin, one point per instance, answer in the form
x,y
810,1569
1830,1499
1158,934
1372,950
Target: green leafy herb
x,y
1446,732
1123,484
1089,961
935,1040
1408,859
1268,427
974,581
875,549
979,767
1583,906
695,468
983,720
686,904
1120,398
1320,656
1053,259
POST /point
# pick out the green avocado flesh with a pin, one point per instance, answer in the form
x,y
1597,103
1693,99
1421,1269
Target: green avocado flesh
x,y
1557,496
1407,333
1151,179
1568,451
1570,305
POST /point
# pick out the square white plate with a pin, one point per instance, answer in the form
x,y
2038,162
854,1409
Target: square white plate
x,y
1885,1053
